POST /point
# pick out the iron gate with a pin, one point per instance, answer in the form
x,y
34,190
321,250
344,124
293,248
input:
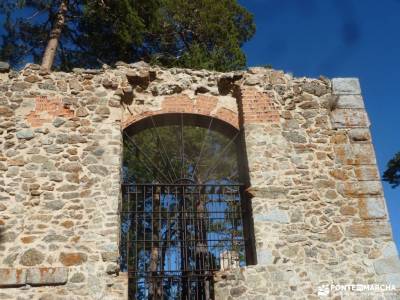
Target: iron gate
x,y
175,236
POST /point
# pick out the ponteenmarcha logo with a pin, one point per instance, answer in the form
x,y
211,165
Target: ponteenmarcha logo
x,y
323,290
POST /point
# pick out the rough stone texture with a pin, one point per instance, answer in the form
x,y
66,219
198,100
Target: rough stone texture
x,y
47,276
318,205
4,67
57,216
346,86
12,277
31,257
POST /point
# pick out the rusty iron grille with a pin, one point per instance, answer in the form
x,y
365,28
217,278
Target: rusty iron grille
x,y
176,236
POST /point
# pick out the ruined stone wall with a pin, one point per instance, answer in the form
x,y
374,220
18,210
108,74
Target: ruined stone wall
x,y
319,211
318,208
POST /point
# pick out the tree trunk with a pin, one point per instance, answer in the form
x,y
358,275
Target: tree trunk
x,y
52,44
202,255
155,284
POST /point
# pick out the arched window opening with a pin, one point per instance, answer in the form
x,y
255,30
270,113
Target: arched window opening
x,y
183,212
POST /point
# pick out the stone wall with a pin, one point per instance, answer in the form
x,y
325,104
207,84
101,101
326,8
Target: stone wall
x,y
60,154
318,207
319,211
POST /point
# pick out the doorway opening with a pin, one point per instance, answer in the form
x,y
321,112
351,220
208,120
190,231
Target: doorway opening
x,y
184,212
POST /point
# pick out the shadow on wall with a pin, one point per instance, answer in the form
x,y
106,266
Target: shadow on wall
x,y
2,237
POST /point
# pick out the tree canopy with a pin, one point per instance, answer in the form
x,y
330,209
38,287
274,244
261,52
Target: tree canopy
x,y
184,33
169,153
392,173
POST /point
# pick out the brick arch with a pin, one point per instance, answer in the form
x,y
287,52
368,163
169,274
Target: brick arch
x,y
206,106
165,119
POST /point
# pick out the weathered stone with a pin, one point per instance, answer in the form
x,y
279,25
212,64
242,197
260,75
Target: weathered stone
x,y
10,259
5,112
47,276
296,216
67,188
372,208
104,111
4,67
71,167
141,78
225,82
32,78
81,112
77,278
12,277
315,87
238,291
275,215
350,101
365,230
271,192
54,149
3,167
109,256
348,210
72,258
58,122
264,257
315,196
99,170
39,159
32,257
343,118
67,224
295,137
333,234
360,135
166,89
387,265
28,239
54,238
56,176
68,196
309,105
362,188
296,238
112,269
8,237
75,85
346,86
16,162
390,250
355,154
20,86
72,177
391,279
25,134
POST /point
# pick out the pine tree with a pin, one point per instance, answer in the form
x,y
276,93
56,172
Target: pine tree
x,y
392,173
87,33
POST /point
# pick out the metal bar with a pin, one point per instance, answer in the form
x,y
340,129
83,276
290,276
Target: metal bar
x,y
163,149
193,227
182,149
147,167
218,159
202,147
145,156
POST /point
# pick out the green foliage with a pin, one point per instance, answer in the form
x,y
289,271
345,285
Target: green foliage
x,y
183,33
158,154
392,173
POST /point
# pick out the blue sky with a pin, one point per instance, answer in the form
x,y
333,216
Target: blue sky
x,y
339,38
